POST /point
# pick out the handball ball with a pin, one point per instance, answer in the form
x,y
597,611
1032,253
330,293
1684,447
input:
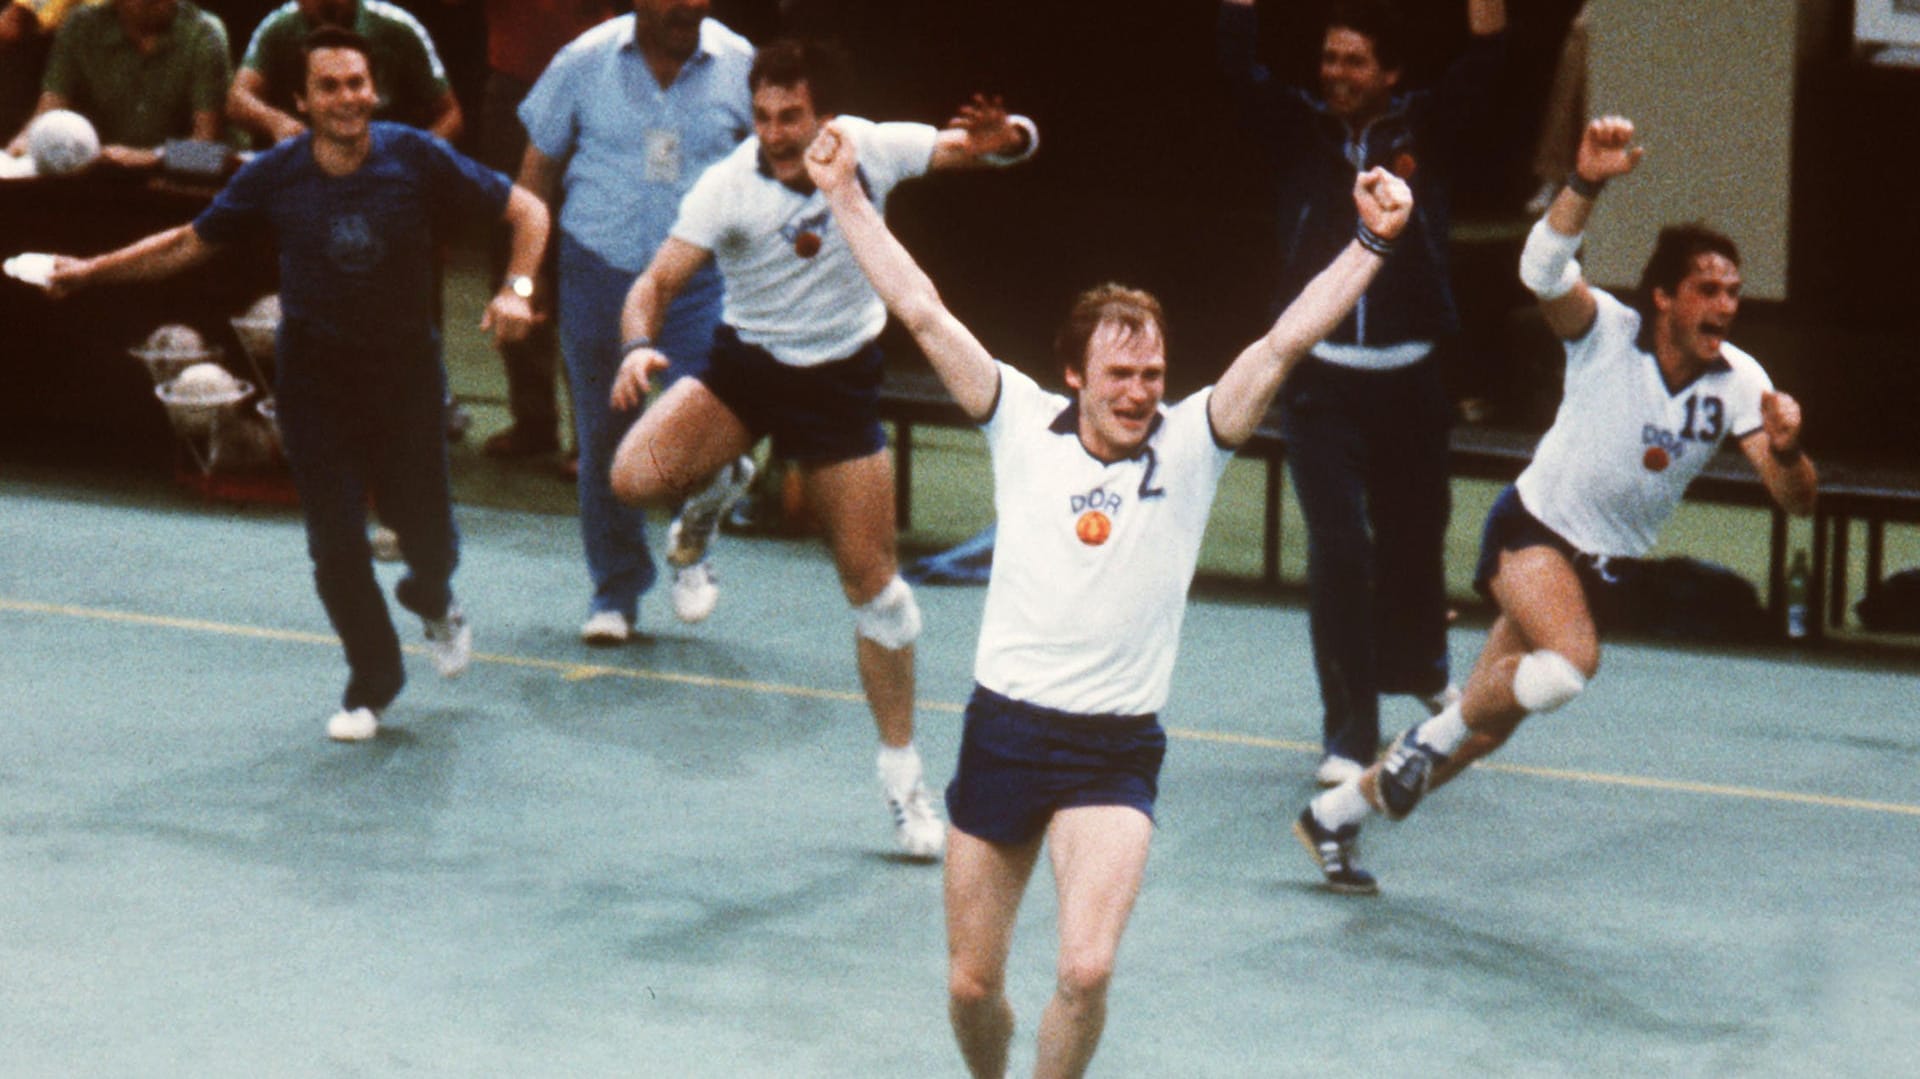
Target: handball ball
x,y
176,339
60,142
203,382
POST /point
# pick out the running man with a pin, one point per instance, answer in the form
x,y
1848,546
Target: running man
x,y
1651,391
354,205
1101,498
795,358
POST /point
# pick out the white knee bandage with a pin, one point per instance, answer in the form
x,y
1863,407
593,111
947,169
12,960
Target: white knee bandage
x,y
890,619
1546,680
1547,267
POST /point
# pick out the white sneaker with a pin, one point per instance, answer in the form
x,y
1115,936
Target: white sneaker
x,y
696,590
917,826
699,516
606,627
353,725
449,641
385,543
1335,770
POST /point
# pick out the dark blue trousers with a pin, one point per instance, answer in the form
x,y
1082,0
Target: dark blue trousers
x,y
1367,452
358,423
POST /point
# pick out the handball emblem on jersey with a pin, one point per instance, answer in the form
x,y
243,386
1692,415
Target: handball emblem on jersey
x,y
353,245
1663,447
1094,513
1093,528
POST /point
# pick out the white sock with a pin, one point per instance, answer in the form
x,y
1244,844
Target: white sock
x,y
1444,732
899,767
1341,806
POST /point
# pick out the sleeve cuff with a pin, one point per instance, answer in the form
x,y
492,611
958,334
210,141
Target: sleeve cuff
x,y
1033,143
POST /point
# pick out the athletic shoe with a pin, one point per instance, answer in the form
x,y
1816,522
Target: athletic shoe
x,y
699,517
449,641
353,725
606,628
385,543
1437,703
1405,773
917,827
1333,851
1335,770
696,589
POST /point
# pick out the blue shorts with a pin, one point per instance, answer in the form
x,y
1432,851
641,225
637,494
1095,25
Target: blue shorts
x,y
818,415
1021,763
1510,527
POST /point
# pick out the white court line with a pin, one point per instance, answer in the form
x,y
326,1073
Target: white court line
x,y
573,670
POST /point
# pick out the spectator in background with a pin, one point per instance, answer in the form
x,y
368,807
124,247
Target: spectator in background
x,y
1366,418
619,126
413,83
522,37
26,32
143,71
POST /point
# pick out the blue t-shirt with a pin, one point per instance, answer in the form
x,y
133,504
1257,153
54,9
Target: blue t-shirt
x,y
357,251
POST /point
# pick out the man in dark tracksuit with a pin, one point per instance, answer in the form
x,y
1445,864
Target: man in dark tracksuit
x,y
1365,420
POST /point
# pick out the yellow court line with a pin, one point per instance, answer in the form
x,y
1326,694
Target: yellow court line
x,y
572,670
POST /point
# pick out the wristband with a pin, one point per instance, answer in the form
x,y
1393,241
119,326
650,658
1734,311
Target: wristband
x,y
1583,187
1373,241
1032,147
1788,458
628,348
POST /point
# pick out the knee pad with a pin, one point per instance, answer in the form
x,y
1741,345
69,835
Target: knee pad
x,y
890,619
1546,680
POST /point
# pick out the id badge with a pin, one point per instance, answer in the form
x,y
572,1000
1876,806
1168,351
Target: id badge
x,y
662,157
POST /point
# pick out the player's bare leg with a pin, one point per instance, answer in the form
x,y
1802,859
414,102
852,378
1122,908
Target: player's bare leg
x,y
1099,856
984,883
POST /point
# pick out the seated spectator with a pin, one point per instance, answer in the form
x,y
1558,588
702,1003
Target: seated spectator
x,y
26,32
144,71
413,83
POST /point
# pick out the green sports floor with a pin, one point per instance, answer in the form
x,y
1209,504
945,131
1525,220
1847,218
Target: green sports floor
x,y
671,859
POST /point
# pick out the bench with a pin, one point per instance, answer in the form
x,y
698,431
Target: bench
x,y
916,398
1873,495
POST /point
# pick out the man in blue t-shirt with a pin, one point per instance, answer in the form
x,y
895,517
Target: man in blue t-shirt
x,y
353,207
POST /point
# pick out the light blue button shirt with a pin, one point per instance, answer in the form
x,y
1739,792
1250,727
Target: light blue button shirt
x,y
631,148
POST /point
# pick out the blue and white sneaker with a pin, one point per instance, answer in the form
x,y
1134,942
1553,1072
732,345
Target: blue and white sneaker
x,y
1405,773
1333,852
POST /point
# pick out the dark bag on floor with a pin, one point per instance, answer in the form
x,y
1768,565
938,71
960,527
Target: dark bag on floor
x,y
1686,599
1892,606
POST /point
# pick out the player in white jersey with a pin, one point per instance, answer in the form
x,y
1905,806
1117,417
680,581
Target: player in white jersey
x,y
1101,498
1651,392
795,358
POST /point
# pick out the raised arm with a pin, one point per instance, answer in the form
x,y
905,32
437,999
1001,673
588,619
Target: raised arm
x,y
1776,454
162,254
1243,393
981,133
643,313
963,364
1547,265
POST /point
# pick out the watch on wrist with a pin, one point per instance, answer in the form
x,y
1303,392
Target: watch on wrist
x,y
520,285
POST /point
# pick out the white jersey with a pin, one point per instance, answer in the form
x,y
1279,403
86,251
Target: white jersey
x,y
1624,444
1091,561
792,285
